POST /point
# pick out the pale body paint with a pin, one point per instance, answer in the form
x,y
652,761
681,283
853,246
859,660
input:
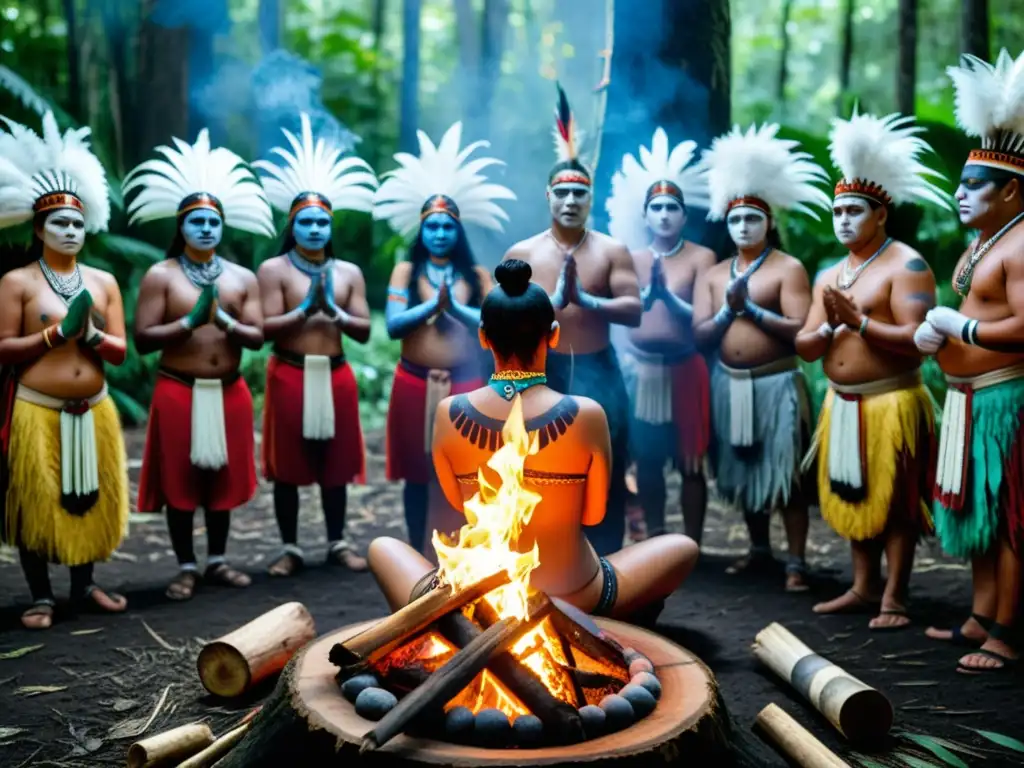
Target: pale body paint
x,y
64,231
439,233
852,220
665,217
202,229
747,226
569,204
975,196
312,228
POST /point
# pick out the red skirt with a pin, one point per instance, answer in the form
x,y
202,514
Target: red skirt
x,y
287,456
406,455
168,477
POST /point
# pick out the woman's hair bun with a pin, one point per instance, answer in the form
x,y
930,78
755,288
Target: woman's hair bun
x,y
513,276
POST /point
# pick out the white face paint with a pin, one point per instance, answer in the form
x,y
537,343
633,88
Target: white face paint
x,y
665,217
569,204
976,196
748,227
853,220
64,231
202,229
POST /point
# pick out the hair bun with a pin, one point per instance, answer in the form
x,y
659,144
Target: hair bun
x,y
513,276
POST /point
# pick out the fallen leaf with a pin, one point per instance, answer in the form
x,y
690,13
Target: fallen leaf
x,y
1001,740
19,652
123,705
10,733
936,749
916,683
35,690
87,631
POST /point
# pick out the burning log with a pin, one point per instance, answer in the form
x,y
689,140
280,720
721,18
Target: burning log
x,y
563,720
444,684
862,714
794,740
170,747
572,624
232,664
357,654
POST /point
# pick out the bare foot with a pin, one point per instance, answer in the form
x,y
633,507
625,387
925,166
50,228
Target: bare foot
x,y
993,656
848,602
183,586
796,581
39,616
971,633
96,599
891,616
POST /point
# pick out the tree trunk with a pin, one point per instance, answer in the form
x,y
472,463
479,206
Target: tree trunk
x,y
492,50
270,25
679,82
780,86
409,117
906,71
160,106
845,54
74,78
974,28
377,25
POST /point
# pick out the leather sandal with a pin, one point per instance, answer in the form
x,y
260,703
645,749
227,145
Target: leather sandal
x,y
43,609
341,553
182,586
226,576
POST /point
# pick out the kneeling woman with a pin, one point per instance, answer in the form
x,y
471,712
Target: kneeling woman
x,y
570,471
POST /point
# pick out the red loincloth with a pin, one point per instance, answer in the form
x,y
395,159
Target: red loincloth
x,y
691,407
168,477
405,457
290,458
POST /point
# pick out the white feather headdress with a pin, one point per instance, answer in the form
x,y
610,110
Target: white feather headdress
x,y
441,174
877,158
48,172
635,184
316,169
990,105
206,177
758,167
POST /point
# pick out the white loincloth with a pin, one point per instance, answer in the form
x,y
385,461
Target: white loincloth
x,y
954,436
209,435
741,397
439,386
653,390
846,459
317,398
79,467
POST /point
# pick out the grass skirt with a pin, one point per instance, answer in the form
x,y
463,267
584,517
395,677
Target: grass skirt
x,y
898,430
995,474
35,518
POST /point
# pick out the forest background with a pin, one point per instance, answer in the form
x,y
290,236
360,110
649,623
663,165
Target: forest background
x,y
372,72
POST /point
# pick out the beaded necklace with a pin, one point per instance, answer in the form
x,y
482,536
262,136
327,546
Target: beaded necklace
x,y
962,283
508,384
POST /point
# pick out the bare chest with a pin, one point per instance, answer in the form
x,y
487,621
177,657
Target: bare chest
x,y
46,307
296,284
182,293
988,283
547,259
679,271
763,286
428,290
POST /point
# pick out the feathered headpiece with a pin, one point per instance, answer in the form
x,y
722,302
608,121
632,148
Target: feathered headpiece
x,y
760,170
878,160
196,176
49,172
567,145
316,174
441,180
658,172
990,105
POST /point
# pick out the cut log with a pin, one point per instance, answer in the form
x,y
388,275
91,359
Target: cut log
x,y
561,720
449,680
358,653
306,721
795,741
231,665
170,747
859,712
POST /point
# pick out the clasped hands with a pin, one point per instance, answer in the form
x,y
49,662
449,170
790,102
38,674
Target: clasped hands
x,y
568,288
939,324
320,298
78,323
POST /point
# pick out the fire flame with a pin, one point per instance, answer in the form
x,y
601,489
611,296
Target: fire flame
x,y
495,519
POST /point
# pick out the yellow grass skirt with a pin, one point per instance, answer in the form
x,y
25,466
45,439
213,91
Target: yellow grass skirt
x,y
35,517
898,433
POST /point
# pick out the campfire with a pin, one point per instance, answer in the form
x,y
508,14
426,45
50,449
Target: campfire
x,y
485,658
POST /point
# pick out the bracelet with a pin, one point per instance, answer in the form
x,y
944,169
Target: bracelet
x,y
46,337
229,325
863,326
969,334
724,316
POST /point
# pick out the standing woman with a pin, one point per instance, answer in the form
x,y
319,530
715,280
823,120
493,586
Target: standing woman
x,y
433,299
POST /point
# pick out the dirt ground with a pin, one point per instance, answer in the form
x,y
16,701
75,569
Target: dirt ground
x,y
94,681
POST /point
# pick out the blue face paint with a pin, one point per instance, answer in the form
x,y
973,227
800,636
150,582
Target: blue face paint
x,y
439,233
202,229
312,228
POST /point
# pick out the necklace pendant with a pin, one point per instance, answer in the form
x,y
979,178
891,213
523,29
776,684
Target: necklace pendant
x,y
509,392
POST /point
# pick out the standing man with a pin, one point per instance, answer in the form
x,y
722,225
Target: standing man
x,y
592,284
875,435
980,474
669,388
65,470
750,309
199,310
311,430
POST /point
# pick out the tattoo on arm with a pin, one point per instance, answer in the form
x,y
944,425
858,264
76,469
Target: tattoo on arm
x,y
923,297
917,264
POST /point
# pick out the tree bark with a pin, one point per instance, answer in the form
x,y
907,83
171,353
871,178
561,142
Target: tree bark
x,y
845,54
670,68
780,86
74,78
906,71
974,28
409,116
492,49
270,25
160,103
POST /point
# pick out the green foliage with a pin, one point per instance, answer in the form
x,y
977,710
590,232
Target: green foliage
x,y
1003,741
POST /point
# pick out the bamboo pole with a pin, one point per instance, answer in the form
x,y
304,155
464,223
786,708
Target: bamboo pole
x,y
218,749
232,664
795,741
859,712
170,747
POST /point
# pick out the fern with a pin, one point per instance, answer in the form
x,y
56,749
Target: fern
x,y
137,253
32,99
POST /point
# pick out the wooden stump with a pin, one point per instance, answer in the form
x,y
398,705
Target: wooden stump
x,y
307,721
